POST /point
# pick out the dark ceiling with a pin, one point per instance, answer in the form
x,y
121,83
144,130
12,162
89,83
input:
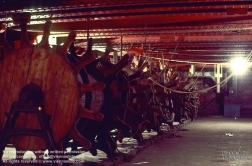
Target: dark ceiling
x,y
207,31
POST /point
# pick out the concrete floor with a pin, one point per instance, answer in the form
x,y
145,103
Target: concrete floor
x,y
129,146
209,141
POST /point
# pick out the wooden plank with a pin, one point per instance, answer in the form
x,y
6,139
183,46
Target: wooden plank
x,y
68,102
37,74
2,117
22,63
7,71
28,142
39,67
53,92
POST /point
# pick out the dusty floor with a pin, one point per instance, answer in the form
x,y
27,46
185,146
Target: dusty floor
x,y
128,146
209,141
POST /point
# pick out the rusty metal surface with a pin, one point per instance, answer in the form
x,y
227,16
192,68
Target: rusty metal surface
x,y
159,26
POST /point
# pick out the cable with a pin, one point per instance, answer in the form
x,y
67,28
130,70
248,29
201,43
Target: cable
x,y
198,91
5,29
203,90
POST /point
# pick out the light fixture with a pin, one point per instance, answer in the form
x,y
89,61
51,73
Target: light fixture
x,y
239,65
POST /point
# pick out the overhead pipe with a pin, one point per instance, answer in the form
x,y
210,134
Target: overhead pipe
x,y
121,46
117,14
88,28
85,16
218,75
148,6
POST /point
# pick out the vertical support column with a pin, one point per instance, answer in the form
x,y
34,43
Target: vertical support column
x,y
121,47
218,75
88,28
115,57
192,70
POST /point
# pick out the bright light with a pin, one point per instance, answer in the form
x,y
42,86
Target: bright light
x,y
99,49
141,163
239,65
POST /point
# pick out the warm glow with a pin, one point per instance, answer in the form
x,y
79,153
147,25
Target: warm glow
x,y
239,65
39,108
144,162
38,39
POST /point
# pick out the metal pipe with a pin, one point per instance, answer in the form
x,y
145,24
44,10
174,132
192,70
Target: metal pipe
x,y
129,7
121,46
88,28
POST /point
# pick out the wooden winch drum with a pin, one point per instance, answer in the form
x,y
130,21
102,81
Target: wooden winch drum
x,y
139,97
91,100
49,69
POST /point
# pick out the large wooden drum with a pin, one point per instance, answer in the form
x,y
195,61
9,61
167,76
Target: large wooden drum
x,y
49,69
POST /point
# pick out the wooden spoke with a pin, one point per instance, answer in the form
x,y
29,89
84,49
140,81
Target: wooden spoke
x,y
136,51
87,58
143,81
4,43
68,42
99,86
22,19
133,83
24,36
86,144
123,62
44,41
81,51
83,112
145,64
106,53
141,61
84,61
135,75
